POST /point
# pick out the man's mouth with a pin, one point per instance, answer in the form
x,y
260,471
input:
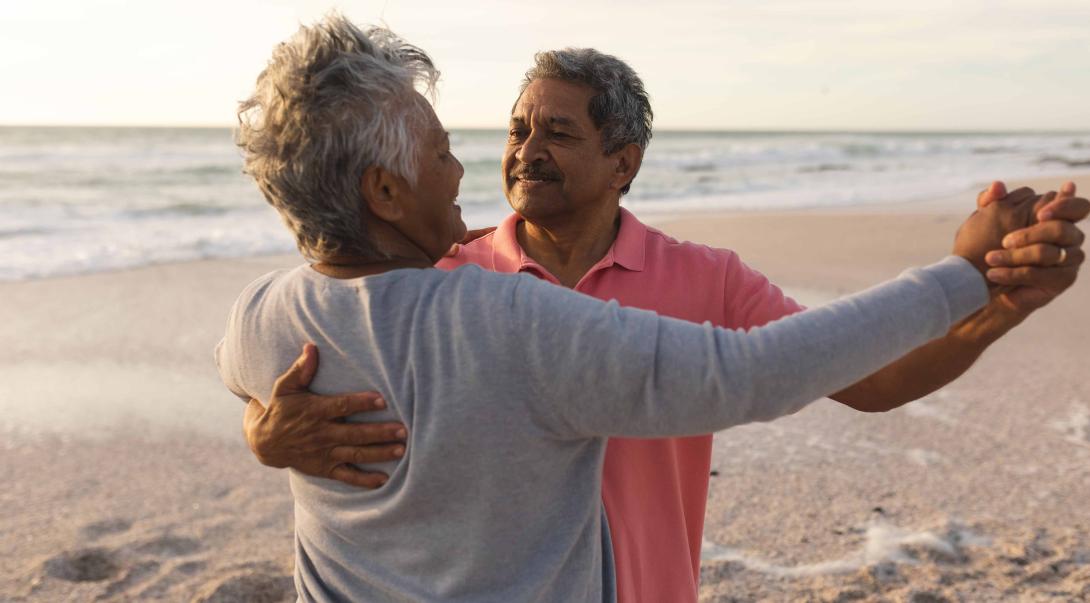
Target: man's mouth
x,y
535,179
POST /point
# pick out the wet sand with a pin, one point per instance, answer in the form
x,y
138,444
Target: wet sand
x,y
127,479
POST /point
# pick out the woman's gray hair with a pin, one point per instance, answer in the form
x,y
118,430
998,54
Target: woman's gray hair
x,y
333,101
621,109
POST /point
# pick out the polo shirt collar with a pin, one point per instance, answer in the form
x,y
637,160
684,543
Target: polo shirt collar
x,y
628,250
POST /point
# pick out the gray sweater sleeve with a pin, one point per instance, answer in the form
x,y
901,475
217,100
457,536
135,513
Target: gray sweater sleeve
x,y
599,369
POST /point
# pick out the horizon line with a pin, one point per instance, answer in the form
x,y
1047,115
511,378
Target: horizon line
x,y
713,130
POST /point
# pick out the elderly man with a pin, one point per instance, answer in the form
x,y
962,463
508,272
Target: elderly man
x,y
577,136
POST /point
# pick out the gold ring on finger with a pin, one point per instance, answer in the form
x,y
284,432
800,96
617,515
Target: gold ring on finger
x,y
1063,256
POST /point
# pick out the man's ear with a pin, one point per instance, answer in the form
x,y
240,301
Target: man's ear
x,y
628,162
381,191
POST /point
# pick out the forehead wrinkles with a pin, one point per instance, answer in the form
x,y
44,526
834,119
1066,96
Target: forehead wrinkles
x,y
563,109
546,117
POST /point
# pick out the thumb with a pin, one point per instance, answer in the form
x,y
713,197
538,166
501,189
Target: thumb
x,y
995,191
299,375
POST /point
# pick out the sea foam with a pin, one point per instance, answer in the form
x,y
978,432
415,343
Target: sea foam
x,y
75,200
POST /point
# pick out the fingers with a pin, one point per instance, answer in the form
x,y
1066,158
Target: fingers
x,y
1034,255
363,455
362,434
995,191
299,374
1053,280
1020,195
1053,232
476,233
471,235
360,479
1065,207
1041,203
343,405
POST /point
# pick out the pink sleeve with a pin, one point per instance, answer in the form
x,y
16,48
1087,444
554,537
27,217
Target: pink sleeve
x,y
751,300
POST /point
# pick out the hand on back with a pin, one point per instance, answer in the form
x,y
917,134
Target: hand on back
x,y
307,431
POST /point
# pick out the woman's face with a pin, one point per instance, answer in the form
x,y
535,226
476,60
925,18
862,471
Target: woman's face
x,y
434,220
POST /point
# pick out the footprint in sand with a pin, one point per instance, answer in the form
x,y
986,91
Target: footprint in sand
x,y
83,565
104,527
255,587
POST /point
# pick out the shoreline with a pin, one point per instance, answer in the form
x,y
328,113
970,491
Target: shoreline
x,y
955,203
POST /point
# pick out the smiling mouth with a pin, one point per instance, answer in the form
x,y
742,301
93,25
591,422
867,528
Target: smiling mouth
x,y
535,179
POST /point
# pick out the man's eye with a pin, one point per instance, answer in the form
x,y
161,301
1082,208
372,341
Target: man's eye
x,y
516,134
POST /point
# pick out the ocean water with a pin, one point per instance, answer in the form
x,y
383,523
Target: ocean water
x,y
76,200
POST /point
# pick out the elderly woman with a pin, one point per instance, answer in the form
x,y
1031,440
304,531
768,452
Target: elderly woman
x,y
359,167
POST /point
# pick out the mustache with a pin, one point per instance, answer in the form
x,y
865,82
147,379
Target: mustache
x,y
535,172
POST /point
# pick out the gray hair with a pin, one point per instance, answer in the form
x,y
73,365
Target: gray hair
x,y
332,101
621,109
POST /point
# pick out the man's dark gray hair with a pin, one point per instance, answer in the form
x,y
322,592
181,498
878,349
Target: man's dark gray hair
x,y
621,109
333,101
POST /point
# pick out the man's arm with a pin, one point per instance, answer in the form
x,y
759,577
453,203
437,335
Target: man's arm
x,y
1030,263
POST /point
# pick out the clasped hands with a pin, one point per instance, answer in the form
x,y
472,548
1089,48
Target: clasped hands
x,y
1025,244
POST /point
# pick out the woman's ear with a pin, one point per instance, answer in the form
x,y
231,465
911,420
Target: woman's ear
x,y
381,191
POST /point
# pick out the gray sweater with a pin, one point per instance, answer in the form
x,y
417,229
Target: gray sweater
x,y
509,387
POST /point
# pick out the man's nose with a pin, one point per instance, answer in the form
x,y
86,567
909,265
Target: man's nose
x,y
533,149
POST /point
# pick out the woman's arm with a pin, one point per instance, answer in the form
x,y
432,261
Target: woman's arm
x,y
600,369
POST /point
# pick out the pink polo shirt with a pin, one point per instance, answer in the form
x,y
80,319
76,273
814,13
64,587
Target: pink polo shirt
x,y
655,490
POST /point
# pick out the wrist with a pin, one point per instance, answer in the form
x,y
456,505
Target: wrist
x,y
984,327
259,445
977,262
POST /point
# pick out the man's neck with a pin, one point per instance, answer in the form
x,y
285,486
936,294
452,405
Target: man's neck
x,y
569,248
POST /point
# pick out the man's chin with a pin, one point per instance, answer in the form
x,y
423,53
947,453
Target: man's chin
x,y
539,208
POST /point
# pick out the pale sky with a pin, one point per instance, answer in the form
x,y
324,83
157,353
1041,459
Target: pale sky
x,y
727,64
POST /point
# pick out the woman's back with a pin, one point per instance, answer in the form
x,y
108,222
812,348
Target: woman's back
x,y
507,386
486,504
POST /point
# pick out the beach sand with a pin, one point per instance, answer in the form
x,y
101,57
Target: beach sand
x,y
126,477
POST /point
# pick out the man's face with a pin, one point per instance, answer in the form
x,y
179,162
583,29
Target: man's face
x,y
435,219
553,165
